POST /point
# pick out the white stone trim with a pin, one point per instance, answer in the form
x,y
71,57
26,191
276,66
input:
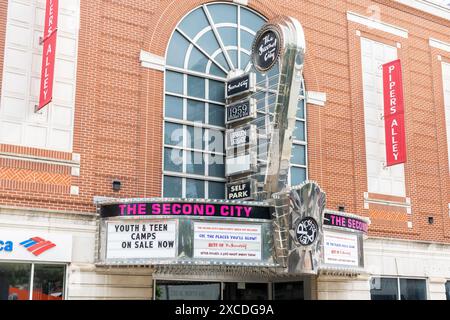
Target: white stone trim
x,y
379,25
441,45
152,61
74,190
242,2
429,7
317,98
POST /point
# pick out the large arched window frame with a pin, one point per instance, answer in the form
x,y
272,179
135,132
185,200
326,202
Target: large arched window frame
x,y
208,44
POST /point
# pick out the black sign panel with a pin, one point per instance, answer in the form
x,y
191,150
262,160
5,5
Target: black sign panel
x,y
239,111
185,209
341,221
266,49
241,190
240,85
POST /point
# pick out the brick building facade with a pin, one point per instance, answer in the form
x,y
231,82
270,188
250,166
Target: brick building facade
x,y
107,123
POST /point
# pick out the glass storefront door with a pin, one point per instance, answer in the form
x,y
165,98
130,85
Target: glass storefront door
x,y
197,290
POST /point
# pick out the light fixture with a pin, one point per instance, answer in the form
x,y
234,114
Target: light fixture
x,y
430,220
116,185
341,208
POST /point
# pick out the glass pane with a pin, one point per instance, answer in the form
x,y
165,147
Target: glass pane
x,y
251,20
288,291
173,160
195,163
299,131
301,109
245,59
174,82
177,50
197,61
233,57
195,22
228,35
216,91
174,107
246,40
195,188
216,115
15,281
220,58
216,166
208,42
223,13
215,70
179,290
384,289
298,155
173,134
172,187
245,291
216,141
413,289
196,87
298,175
195,138
48,282
196,111
216,190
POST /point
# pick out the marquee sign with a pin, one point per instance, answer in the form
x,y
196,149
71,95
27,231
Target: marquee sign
x,y
266,48
199,209
241,110
345,222
141,240
227,241
394,113
48,54
240,85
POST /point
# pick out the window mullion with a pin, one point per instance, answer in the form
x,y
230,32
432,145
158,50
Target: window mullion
x,y
31,282
218,38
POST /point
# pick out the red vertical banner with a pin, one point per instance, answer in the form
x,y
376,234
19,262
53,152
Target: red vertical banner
x,y
48,54
394,113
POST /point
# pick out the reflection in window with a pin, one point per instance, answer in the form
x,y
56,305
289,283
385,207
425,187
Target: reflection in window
x,y
398,289
15,281
288,291
179,290
47,282
447,290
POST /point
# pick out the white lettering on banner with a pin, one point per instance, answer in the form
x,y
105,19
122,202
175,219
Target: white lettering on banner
x,y
227,241
142,240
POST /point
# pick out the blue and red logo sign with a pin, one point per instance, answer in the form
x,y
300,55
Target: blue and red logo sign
x,y
37,245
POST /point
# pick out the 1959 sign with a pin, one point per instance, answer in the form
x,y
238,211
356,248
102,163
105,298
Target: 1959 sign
x,y
241,110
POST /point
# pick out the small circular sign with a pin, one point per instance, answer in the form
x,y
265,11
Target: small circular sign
x,y
266,49
307,231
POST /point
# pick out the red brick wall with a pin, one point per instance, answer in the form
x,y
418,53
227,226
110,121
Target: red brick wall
x,y
119,114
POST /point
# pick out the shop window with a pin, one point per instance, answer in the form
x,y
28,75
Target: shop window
x,y
381,179
245,291
209,43
288,291
47,282
397,289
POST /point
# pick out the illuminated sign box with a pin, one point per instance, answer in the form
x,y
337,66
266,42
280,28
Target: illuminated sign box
x,y
240,164
241,190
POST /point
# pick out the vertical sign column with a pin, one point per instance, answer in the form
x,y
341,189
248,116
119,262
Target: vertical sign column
x,y
240,137
394,113
48,53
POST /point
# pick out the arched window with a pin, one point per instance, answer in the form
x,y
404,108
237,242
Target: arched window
x,y
208,44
